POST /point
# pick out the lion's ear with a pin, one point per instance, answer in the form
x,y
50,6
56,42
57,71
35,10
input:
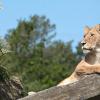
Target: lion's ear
x,y
97,27
86,29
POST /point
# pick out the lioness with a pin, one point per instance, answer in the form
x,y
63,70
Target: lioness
x,y
91,62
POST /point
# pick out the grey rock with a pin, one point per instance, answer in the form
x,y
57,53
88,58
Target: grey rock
x,y
88,87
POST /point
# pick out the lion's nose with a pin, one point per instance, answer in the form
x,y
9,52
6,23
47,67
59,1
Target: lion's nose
x,y
83,43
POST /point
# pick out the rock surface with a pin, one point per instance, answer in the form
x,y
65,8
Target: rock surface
x,y
87,88
11,89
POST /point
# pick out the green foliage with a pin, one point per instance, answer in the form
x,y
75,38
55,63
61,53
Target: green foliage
x,y
3,74
38,60
4,49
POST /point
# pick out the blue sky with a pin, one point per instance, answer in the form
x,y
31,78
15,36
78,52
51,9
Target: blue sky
x,y
70,16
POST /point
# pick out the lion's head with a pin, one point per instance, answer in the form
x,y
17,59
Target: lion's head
x,y
91,40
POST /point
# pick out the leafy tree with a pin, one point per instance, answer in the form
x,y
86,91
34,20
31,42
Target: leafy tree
x,y
28,41
29,38
4,49
38,60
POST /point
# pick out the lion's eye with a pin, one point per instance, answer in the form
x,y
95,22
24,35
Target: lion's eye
x,y
92,34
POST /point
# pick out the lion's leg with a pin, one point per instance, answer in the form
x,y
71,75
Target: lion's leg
x,y
88,69
96,68
85,68
73,78
82,68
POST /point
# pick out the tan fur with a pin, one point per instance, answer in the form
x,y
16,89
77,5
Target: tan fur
x,y
91,63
